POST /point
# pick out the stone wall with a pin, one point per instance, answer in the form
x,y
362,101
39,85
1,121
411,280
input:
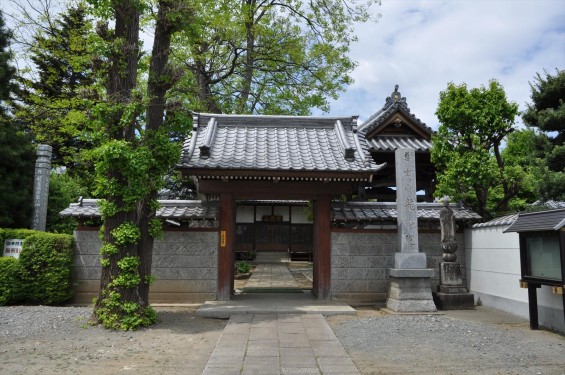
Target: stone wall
x,y
184,264
361,259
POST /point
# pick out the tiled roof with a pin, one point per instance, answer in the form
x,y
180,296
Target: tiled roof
x,y
276,143
550,204
538,221
391,143
395,102
170,209
499,221
379,211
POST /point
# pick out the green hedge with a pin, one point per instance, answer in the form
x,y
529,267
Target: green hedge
x,y
11,285
44,272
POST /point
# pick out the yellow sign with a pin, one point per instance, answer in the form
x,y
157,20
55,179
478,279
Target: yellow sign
x,y
223,238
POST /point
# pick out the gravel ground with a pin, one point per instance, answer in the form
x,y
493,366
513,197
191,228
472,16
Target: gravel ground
x,y
58,340
482,341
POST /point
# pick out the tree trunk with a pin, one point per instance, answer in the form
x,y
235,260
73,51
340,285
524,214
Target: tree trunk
x,y
204,92
160,81
249,9
122,77
503,204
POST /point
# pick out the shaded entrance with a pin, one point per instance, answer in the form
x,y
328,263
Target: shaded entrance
x,y
275,239
273,231
321,228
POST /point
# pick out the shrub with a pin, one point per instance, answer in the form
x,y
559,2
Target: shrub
x,y
43,271
12,288
15,233
243,267
46,259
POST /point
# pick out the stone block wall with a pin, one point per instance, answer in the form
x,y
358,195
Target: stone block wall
x,y
361,259
184,264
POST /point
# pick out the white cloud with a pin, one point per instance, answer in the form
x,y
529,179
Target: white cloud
x,y
423,45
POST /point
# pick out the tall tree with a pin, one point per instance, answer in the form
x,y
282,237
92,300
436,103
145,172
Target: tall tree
x,y
547,114
467,147
136,153
16,151
54,99
269,57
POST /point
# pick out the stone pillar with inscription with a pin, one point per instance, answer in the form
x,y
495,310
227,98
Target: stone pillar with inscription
x,y
41,187
410,288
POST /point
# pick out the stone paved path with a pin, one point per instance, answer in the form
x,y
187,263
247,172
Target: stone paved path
x,y
277,344
271,276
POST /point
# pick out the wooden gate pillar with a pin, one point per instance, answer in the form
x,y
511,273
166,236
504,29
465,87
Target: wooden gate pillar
x,y
322,248
226,247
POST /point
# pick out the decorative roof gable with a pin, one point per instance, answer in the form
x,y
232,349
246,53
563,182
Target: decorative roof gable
x,y
395,121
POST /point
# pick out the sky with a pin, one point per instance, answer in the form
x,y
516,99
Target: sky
x,y
422,45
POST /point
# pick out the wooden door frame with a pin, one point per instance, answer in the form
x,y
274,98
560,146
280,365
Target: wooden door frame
x,y
319,192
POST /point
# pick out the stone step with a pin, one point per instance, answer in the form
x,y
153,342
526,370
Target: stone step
x,y
272,257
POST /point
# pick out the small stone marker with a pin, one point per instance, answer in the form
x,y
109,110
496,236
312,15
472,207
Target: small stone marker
x,y
410,289
451,294
41,187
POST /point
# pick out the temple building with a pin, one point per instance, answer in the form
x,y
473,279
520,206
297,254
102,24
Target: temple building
x,y
314,189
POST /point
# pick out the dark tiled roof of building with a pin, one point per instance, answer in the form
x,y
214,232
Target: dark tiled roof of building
x,y
276,143
391,143
170,209
538,221
395,102
385,211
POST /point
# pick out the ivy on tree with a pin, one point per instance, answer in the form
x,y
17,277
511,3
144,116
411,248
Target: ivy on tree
x,y
135,154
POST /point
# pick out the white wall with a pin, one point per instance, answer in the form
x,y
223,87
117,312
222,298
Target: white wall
x,y
299,215
244,214
493,274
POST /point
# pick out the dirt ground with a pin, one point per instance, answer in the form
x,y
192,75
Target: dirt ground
x,y
181,343
481,341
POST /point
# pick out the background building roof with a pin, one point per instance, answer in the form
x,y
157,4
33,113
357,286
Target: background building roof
x,y
384,211
170,209
391,143
499,221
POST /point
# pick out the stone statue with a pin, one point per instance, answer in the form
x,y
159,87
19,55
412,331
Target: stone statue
x,y
447,222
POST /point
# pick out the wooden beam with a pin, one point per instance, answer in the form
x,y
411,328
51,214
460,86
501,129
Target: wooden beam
x,y
288,175
257,190
322,247
226,247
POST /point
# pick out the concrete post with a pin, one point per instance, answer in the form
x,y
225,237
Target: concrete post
x,y
41,187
